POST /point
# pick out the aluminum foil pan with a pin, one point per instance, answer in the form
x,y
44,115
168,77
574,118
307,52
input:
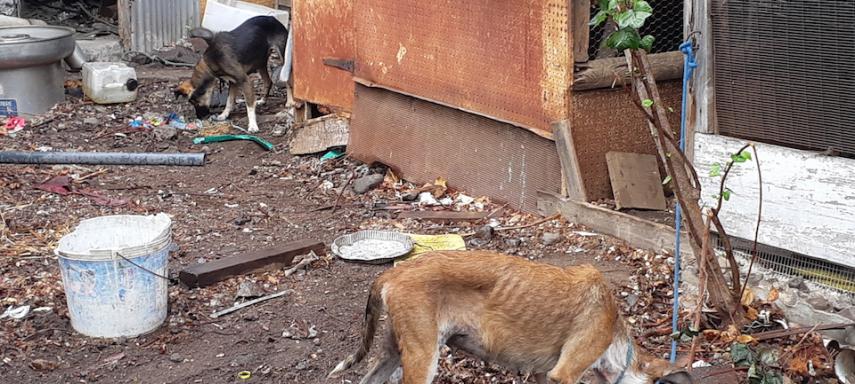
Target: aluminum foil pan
x,y
373,247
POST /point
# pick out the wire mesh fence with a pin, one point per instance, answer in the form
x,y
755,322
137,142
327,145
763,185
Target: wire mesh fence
x,y
666,25
790,264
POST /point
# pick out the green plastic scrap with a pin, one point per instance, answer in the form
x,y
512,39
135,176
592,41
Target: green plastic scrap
x,y
334,154
216,139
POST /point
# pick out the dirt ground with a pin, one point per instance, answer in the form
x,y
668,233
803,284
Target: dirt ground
x,y
243,198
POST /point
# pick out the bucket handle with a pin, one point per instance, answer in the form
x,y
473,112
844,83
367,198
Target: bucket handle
x,y
167,278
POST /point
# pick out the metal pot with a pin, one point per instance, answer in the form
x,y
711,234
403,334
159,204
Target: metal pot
x,y
31,73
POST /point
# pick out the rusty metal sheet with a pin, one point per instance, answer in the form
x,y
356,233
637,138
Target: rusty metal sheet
x,y
422,141
323,29
509,60
606,120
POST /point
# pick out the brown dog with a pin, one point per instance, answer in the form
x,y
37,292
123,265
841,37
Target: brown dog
x,y
232,56
549,321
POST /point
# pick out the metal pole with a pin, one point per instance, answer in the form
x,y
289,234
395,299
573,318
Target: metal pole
x,y
102,158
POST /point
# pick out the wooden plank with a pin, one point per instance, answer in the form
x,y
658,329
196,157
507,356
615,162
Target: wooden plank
x,y
809,198
201,275
572,175
320,134
636,181
125,31
581,31
612,72
443,215
637,232
702,94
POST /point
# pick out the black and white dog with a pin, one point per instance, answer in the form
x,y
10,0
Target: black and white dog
x,y
231,57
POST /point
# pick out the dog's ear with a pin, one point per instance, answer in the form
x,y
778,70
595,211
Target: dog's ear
x,y
202,33
184,89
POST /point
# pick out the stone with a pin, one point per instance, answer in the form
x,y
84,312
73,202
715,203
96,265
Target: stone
x,y
90,121
176,358
819,303
367,183
848,313
164,133
550,238
799,283
632,299
247,290
302,365
485,233
102,49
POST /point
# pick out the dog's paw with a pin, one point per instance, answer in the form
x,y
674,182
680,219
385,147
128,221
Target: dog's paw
x,y
221,117
252,128
260,101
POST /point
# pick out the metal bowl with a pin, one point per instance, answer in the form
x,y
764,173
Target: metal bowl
x,y
372,247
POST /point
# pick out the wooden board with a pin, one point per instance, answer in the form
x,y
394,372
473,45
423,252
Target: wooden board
x,y
636,182
637,232
809,198
443,215
200,275
320,134
571,176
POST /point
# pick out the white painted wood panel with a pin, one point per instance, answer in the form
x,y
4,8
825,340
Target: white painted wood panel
x,y
809,198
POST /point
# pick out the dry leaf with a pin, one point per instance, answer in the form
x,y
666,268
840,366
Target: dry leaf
x,y
751,314
745,339
747,297
773,295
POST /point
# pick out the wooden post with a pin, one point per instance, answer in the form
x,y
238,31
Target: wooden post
x,y
571,174
125,31
580,31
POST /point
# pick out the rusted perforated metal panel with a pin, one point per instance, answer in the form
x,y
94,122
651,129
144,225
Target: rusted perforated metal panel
x,y
607,120
508,60
424,140
323,29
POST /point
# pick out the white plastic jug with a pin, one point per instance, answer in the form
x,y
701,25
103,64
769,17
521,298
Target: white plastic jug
x,y
109,83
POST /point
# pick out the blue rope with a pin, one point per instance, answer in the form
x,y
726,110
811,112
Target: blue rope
x,y
688,69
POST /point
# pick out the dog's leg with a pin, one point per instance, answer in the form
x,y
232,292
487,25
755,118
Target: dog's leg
x,y
266,83
579,353
230,103
249,95
383,369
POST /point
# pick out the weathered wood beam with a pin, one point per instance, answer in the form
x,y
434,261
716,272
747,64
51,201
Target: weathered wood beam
x,y
571,175
580,31
612,72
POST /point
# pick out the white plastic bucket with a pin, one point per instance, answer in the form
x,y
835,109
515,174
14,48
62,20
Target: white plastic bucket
x,y
109,268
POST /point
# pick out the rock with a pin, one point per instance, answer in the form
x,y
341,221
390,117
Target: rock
x,y
43,365
165,132
848,313
316,341
485,233
799,283
367,183
179,54
90,121
754,280
247,290
206,149
409,196
176,358
550,238
632,299
302,366
514,242
819,303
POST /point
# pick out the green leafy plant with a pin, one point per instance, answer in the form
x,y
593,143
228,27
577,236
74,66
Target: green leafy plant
x,y
629,16
761,364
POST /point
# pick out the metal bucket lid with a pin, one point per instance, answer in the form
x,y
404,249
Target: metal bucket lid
x,y
33,34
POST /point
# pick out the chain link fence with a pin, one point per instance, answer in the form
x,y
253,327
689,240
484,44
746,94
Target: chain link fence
x,y
666,25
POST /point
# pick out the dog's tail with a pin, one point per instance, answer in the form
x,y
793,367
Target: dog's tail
x,y
202,33
373,310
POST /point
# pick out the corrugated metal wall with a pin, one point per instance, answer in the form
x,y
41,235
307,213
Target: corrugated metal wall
x,y
158,23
